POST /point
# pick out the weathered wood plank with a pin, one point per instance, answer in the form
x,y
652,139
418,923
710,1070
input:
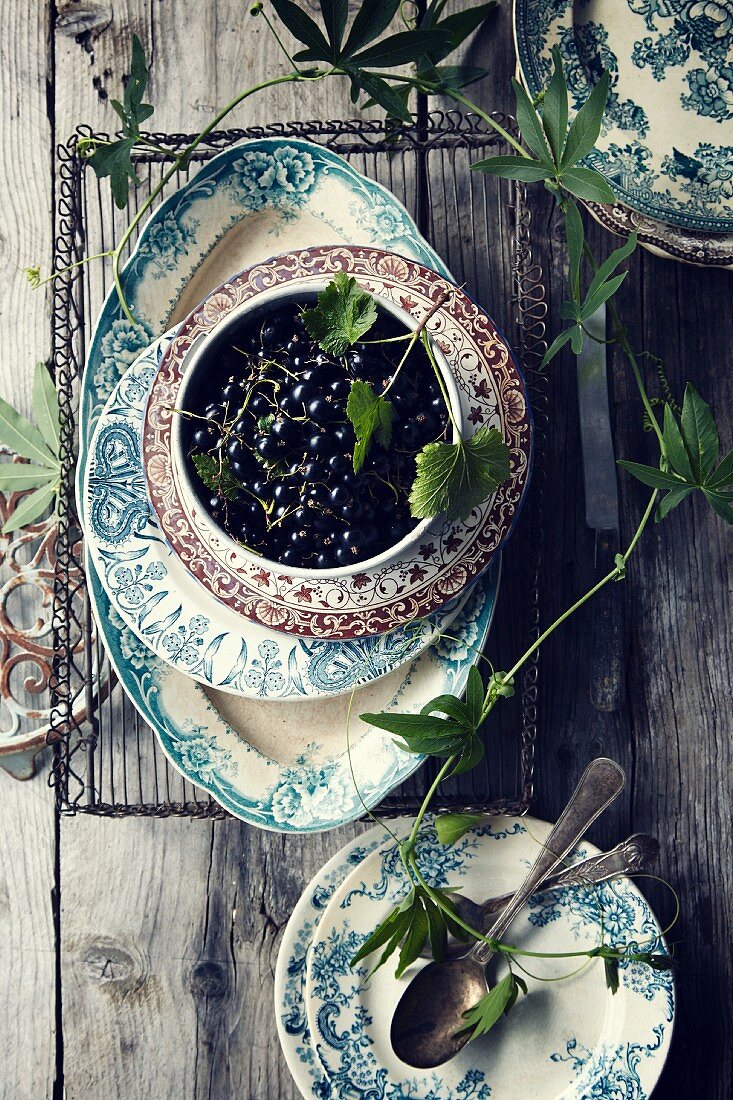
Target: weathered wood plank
x,y
27,963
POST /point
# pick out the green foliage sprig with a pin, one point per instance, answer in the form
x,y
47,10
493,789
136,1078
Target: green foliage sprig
x,y
39,445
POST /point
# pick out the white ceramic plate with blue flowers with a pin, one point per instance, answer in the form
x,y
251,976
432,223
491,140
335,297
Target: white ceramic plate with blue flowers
x,y
290,1012
174,615
666,147
287,769
569,1039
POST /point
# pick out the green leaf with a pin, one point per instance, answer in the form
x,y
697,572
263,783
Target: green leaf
x,y
371,416
398,49
19,435
586,183
699,432
334,14
720,503
452,707
387,934
674,444
610,264
575,237
408,725
586,126
451,827
456,477
559,342
393,100
457,27
600,295
722,475
451,77
16,476
650,475
474,696
436,929
513,168
302,27
472,753
30,508
138,82
611,969
343,313
114,161
264,423
46,407
499,685
671,500
417,934
481,1018
216,475
555,108
531,128
372,17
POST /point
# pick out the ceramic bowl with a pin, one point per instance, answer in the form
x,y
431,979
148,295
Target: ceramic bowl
x,y
201,359
437,560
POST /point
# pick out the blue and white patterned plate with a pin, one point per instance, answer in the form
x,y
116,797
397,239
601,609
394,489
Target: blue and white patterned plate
x,y
569,1039
287,769
667,143
180,620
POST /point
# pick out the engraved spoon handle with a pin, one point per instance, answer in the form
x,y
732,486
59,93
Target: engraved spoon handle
x,y
634,854
599,784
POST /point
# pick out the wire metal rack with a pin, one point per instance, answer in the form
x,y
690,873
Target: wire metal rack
x,y
111,764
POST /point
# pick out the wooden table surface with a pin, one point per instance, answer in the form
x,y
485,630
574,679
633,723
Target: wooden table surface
x,y
155,981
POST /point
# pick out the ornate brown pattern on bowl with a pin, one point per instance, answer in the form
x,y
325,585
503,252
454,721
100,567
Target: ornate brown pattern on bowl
x,y
448,556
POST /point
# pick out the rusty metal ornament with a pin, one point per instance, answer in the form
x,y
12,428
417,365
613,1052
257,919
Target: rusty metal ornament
x,y
27,575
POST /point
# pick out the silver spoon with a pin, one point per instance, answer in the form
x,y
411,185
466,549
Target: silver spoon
x,y
429,1016
637,853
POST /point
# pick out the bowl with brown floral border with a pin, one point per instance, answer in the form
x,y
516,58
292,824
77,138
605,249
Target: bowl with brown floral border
x,y
423,561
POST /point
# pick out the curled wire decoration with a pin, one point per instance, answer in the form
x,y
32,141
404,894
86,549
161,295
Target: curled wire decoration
x,y
110,764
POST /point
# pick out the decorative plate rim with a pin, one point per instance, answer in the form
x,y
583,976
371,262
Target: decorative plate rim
x,y
527,53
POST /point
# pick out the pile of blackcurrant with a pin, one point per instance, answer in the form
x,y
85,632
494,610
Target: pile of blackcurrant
x,y
271,413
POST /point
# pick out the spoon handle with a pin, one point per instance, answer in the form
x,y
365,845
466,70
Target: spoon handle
x,y
634,854
599,784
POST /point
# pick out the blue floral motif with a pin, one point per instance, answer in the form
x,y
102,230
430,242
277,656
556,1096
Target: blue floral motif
x,y
166,242
586,55
283,179
182,644
135,652
264,672
117,489
709,172
201,754
606,905
709,25
711,92
660,54
308,791
120,347
609,1074
381,219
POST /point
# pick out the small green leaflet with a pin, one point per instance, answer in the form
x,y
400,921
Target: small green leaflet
x,y
691,445
342,314
264,423
41,471
371,417
498,1002
411,923
456,477
216,475
46,407
451,827
114,160
31,507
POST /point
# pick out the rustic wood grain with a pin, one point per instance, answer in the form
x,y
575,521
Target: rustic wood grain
x,y
27,959
170,929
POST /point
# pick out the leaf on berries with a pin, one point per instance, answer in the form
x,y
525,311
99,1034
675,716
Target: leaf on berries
x,y
343,313
456,477
371,417
216,475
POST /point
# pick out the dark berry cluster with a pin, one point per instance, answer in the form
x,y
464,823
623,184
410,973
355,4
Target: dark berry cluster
x,y
271,413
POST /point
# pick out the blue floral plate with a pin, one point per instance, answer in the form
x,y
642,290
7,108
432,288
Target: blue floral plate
x,y
180,620
666,146
569,1039
287,769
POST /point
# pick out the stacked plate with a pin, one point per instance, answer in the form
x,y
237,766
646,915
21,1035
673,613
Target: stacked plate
x,y
567,1038
666,146
210,642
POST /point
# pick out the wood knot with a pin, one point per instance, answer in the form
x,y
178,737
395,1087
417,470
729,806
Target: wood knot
x,y
106,963
209,979
77,19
